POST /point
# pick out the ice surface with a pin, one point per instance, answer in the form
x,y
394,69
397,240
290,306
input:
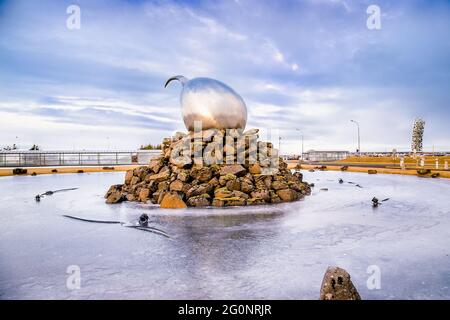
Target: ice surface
x,y
274,252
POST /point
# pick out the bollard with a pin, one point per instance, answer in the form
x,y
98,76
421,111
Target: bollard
x,y
402,163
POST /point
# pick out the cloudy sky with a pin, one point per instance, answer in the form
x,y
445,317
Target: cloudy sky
x,y
310,65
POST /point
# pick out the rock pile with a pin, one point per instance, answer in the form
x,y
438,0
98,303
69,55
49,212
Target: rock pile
x,y
212,168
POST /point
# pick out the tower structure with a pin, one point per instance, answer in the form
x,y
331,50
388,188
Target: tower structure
x,y
417,135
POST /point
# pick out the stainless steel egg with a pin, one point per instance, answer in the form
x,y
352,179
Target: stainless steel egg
x,y
212,102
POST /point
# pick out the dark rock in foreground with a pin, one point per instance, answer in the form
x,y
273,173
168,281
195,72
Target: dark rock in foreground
x,y
337,285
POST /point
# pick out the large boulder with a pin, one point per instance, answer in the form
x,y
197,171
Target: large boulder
x,y
114,194
176,185
287,195
247,185
183,175
144,194
337,285
298,186
130,197
134,180
254,201
279,184
225,178
202,174
274,198
262,194
172,200
254,168
299,176
233,185
164,175
214,182
235,201
240,194
128,176
223,193
141,172
163,186
228,202
218,202
199,189
263,182
199,201
156,164
235,169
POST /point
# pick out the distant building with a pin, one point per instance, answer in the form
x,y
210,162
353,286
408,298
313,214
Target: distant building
x,y
417,135
317,156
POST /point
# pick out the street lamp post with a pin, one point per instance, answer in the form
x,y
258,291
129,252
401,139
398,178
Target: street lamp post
x,y
302,141
359,140
279,145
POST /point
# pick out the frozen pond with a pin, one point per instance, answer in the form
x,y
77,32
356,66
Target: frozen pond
x,y
272,252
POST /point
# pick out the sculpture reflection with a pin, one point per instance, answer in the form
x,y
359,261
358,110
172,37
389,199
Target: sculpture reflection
x,y
212,102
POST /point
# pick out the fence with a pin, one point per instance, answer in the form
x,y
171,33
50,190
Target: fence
x,y
74,158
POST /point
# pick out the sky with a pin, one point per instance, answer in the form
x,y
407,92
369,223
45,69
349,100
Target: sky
x,y
303,67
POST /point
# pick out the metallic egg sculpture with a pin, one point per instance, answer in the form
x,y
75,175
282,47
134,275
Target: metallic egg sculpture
x,y
212,102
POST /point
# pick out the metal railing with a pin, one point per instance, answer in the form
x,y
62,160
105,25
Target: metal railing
x,y
74,158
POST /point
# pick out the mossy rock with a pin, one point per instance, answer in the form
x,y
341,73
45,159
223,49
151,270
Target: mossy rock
x,y
435,175
423,171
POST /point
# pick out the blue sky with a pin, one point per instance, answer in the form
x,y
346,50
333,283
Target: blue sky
x,y
311,64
